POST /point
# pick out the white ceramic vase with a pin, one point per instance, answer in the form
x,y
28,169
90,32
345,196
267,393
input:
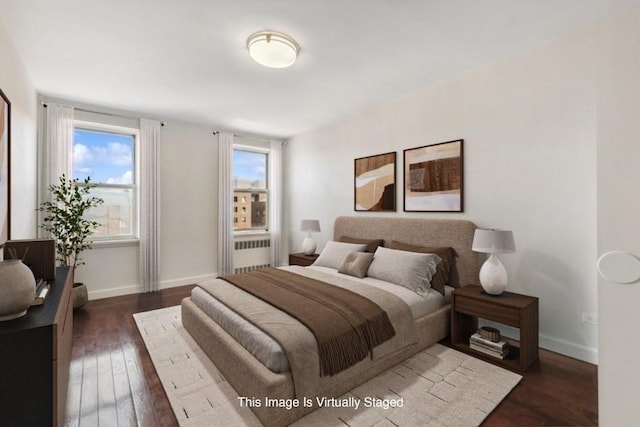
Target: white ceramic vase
x,y
309,245
17,289
493,276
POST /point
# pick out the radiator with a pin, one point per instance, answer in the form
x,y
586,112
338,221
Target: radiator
x,y
249,268
251,255
252,244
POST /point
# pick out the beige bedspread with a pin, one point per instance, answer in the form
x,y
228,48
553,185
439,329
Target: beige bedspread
x,y
299,343
347,326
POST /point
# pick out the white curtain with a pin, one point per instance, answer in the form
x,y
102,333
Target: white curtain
x,y
275,202
225,204
149,204
58,147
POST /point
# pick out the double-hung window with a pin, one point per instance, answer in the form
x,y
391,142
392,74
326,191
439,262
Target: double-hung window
x,y
108,155
250,189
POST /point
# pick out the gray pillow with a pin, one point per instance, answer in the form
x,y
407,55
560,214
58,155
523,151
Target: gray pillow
x,y
356,264
334,252
411,270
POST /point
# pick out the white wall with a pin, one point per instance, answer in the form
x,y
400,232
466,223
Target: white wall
x,y
618,213
16,85
189,191
189,183
529,165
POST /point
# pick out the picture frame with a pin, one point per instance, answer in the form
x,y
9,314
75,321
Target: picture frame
x,y
433,177
5,168
374,183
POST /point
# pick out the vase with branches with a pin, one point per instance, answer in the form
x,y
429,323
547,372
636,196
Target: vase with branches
x,y
64,217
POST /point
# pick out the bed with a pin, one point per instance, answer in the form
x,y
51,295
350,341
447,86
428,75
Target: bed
x,y
417,326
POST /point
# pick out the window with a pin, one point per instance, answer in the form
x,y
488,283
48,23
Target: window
x,y
107,154
250,189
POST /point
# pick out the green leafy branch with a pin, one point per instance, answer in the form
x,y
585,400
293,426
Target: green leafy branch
x,y
65,218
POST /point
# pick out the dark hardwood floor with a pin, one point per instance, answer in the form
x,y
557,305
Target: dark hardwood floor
x,y
113,381
555,391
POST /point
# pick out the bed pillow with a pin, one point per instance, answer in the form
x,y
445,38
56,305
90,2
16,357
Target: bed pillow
x,y
356,264
443,270
372,244
411,270
334,252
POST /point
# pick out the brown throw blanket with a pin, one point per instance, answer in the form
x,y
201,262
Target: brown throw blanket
x,y
346,325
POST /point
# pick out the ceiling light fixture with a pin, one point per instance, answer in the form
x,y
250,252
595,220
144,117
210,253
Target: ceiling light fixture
x,y
272,49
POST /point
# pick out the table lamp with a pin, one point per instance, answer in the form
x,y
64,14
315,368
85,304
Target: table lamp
x,y
309,243
493,276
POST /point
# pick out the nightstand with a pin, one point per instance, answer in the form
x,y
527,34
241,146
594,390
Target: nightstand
x,y
521,311
302,259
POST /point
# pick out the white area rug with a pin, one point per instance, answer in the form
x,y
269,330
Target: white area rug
x,y
437,387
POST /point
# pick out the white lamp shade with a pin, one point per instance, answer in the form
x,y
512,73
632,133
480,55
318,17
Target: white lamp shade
x,y
310,225
272,49
493,241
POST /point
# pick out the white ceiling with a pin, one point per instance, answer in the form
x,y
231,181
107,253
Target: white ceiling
x,y
187,59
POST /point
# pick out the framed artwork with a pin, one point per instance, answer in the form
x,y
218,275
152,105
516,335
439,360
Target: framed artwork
x,y
375,183
5,168
433,178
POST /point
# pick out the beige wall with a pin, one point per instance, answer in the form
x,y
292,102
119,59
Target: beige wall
x,y
529,125
618,150
16,85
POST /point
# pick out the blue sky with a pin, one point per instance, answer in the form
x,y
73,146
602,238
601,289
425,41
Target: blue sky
x,y
249,165
105,157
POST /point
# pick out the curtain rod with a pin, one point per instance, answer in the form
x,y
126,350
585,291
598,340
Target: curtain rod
x,y
255,138
44,104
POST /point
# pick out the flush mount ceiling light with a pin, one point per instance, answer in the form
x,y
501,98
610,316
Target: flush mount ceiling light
x,y
272,49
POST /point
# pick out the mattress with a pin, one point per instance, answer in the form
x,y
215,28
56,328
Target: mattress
x,y
267,350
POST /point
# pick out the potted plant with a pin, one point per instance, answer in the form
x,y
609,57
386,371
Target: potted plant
x,y
64,217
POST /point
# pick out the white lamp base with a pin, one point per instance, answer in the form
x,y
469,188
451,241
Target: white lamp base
x,y
493,276
309,245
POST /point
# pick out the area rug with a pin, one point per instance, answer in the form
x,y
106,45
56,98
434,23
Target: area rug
x,y
437,387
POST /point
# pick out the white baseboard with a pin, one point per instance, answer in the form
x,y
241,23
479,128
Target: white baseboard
x,y
174,283
571,349
136,289
113,292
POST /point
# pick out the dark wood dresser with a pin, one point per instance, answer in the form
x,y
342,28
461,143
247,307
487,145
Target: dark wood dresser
x,y
35,353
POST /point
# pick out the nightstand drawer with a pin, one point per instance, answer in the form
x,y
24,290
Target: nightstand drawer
x,y
498,313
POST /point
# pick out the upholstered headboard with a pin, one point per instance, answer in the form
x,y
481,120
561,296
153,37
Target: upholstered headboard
x,y
457,234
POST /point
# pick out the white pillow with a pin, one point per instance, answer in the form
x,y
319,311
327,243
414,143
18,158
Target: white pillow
x,y
411,270
334,252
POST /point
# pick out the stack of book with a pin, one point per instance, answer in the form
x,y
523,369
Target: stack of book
x,y
42,289
499,349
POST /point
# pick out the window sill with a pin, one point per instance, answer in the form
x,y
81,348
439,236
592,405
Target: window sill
x,y
250,233
115,243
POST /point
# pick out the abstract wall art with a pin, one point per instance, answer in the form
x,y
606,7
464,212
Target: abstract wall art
x,y
433,178
375,183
